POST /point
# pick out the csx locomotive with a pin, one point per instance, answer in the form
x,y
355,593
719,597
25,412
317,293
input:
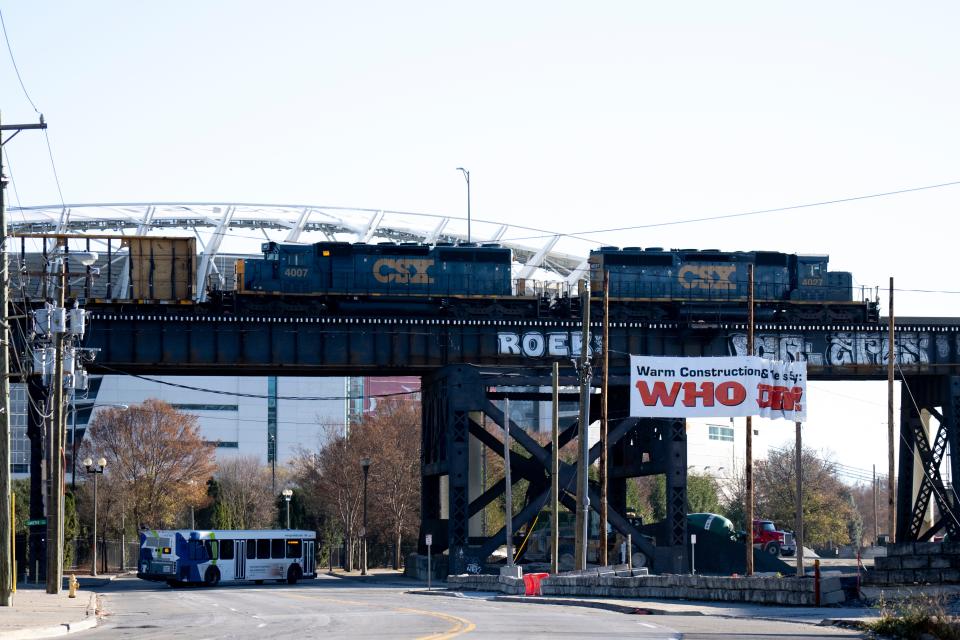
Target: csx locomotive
x,y
472,281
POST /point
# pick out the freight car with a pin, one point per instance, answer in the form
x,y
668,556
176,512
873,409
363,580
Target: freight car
x,y
403,278
687,284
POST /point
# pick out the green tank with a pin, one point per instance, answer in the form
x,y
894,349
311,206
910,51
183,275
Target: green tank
x,y
711,522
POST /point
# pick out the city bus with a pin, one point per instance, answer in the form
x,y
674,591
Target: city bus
x,y
183,556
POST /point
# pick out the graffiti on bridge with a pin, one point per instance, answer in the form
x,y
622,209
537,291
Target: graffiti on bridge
x,y
846,348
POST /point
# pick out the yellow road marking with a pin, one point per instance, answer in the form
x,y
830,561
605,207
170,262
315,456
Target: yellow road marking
x,y
460,625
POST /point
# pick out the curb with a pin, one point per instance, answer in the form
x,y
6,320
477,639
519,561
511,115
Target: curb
x,y
632,610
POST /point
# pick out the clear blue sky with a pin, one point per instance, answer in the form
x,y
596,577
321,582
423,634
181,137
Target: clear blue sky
x,y
570,116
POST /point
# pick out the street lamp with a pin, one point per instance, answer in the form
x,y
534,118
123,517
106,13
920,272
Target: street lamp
x,y
287,494
95,470
365,463
466,175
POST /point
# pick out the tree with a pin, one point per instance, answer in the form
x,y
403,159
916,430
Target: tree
x,y
332,482
156,461
243,498
827,508
391,439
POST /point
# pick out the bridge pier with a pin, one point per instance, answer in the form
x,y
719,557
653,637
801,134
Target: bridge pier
x,y
919,481
454,401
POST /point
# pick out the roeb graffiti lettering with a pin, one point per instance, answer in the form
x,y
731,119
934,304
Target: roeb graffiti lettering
x,y
535,344
403,270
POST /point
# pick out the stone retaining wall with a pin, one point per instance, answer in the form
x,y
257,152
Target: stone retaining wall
x,y
917,562
620,584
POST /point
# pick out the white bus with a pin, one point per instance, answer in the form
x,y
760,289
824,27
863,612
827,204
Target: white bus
x,y
183,556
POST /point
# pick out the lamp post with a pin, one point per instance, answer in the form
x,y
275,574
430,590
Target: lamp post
x,y
287,494
466,175
95,470
365,463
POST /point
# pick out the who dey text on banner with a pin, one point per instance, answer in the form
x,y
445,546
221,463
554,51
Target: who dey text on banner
x,y
734,386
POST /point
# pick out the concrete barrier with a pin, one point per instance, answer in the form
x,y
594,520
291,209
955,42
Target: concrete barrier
x,y
917,563
593,583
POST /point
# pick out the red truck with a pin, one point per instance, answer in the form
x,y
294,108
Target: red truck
x,y
767,537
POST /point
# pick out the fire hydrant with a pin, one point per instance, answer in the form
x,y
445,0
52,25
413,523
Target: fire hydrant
x,y
74,585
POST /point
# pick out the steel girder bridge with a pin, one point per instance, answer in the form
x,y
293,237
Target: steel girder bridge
x,y
464,361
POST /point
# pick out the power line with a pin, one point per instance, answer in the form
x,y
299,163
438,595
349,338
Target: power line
x,y
757,212
13,60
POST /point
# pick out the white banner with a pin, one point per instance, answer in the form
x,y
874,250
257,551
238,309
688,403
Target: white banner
x,y
717,387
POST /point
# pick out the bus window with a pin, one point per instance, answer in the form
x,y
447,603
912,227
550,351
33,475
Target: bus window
x,y
212,547
226,549
278,548
263,549
251,549
293,548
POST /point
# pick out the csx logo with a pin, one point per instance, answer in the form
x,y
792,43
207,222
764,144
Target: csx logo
x,y
707,276
402,270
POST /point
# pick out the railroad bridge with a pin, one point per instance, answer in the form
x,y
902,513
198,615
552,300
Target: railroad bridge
x,y
463,362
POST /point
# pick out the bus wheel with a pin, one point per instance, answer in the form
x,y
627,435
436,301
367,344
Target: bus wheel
x,y
212,577
293,574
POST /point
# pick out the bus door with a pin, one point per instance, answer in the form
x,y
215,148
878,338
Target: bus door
x,y
240,559
309,558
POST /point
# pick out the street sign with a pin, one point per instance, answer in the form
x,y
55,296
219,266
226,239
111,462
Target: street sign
x,y
34,523
429,540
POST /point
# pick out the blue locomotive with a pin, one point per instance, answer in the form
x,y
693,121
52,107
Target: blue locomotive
x,y
386,276
690,283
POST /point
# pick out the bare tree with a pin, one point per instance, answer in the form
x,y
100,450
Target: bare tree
x,y
332,482
156,460
244,500
391,439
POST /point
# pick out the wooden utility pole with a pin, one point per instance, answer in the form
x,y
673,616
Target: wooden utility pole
x,y
555,475
508,516
891,489
603,420
55,502
798,527
583,471
748,462
876,520
6,512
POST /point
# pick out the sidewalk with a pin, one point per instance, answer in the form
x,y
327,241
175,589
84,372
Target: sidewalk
x,y
38,614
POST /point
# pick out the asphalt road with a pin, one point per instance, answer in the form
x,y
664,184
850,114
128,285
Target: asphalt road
x,y
335,608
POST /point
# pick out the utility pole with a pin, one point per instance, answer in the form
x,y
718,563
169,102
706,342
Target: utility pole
x,y
55,469
583,470
6,515
603,420
891,489
799,524
748,462
508,516
555,475
876,521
